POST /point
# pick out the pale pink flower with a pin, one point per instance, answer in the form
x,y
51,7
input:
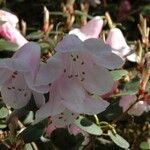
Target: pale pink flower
x,y
8,17
84,72
14,90
8,30
18,75
137,109
12,34
117,41
91,30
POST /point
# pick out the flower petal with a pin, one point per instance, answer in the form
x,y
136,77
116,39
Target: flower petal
x,y
71,90
29,55
49,71
121,48
7,16
102,54
70,43
52,107
88,31
10,33
14,65
4,75
89,106
15,92
38,98
97,80
65,118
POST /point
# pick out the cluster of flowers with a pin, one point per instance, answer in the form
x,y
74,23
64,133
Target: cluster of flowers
x,y
74,76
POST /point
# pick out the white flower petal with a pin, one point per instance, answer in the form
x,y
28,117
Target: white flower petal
x,y
97,80
71,90
70,43
102,54
29,55
65,118
89,106
49,71
15,92
88,31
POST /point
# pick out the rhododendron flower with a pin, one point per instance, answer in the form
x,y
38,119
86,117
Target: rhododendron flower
x,y
83,72
14,90
117,41
8,17
137,109
91,30
18,75
8,30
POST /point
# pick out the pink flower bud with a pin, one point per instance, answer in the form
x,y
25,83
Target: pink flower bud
x,y
8,17
137,109
91,30
117,41
12,34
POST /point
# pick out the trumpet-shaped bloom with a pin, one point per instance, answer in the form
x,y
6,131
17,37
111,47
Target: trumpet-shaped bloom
x,y
84,71
14,90
12,34
18,76
91,30
8,17
117,41
8,30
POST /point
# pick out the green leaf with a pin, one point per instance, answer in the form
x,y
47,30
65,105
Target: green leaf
x,y
8,46
29,119
28,147
133,84
88,126
33,132
144,145
3,112
35,35
118,74
118,140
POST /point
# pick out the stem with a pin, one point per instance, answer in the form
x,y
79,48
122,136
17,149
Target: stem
x,y
97,120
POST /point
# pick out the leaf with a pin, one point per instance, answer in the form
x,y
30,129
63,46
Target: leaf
x,y
144,145
3,112
28,147
29,119
118,140
35,35
88,126
8,46
118,74
33,132
133,84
